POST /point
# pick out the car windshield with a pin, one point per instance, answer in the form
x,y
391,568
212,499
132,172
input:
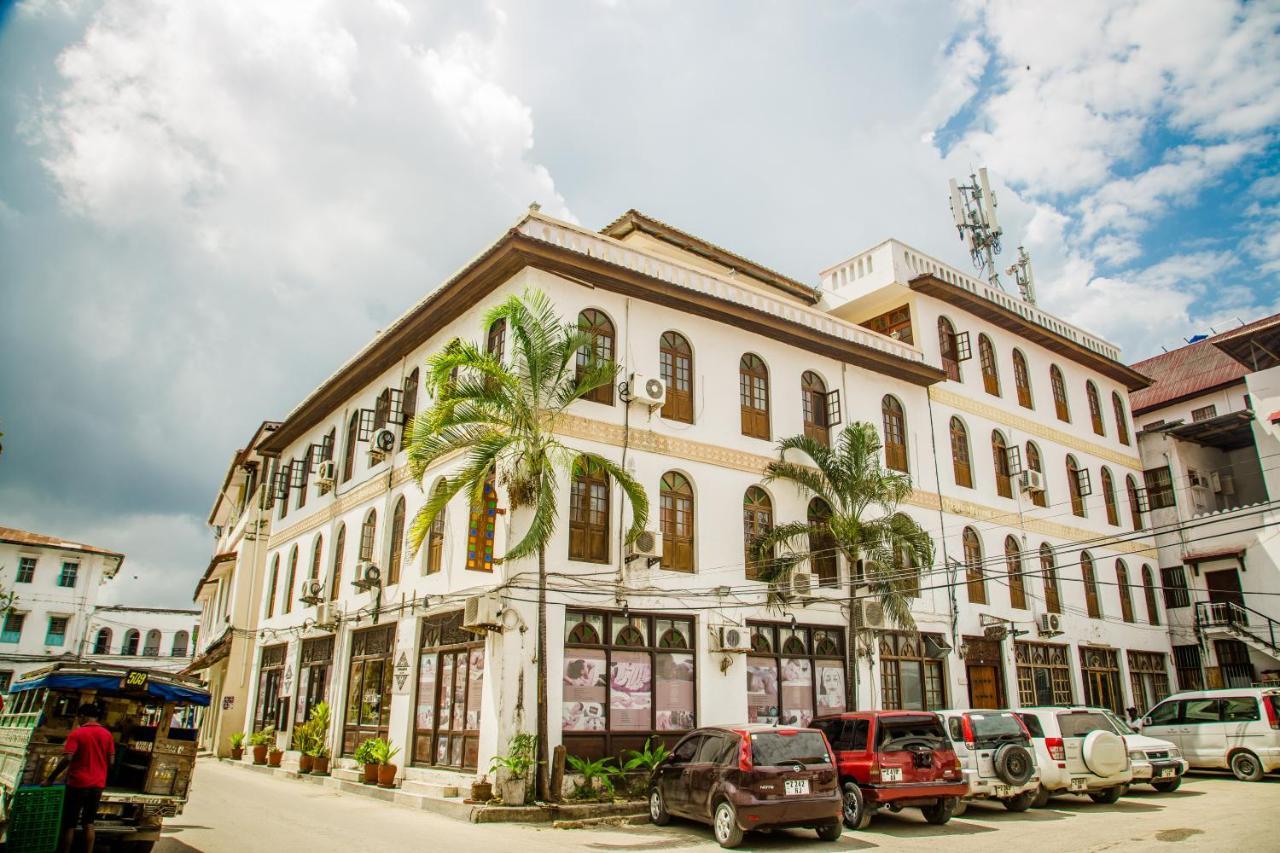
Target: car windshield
x,y
1080,723
1120,726
905,732
772,748
989,726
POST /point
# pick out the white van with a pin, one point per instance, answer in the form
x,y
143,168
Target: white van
x,y
1078,752
1233,728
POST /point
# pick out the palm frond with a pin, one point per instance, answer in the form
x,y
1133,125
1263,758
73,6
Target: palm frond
x,y
635,493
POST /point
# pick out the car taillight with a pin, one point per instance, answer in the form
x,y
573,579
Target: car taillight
x,y
1057,749
966,728
874,772
744,754
1269,702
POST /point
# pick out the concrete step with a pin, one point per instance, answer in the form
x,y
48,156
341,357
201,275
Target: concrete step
x,y
438,790
347,774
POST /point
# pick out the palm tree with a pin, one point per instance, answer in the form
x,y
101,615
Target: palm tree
x,y
502,418
851,481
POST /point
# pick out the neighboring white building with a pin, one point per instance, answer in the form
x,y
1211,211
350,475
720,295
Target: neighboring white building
x,y
55,585
1038,592
151,637
1210,437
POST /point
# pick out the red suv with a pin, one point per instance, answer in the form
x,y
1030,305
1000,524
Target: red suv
x,y
892,760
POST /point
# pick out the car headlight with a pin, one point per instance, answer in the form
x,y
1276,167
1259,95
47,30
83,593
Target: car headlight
x,y
1175,753
1137,755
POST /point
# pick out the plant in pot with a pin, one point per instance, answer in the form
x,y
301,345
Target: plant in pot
x,y
237,746
302,743
320,761
317,730
381,751
597,777
365,760
260,741
511,771
481,790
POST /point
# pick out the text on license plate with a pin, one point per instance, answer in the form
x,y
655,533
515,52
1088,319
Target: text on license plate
x,y
1079,784
1166,772
891,774
795,786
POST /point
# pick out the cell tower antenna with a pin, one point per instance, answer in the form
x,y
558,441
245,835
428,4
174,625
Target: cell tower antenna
x,y
973,206
1022,275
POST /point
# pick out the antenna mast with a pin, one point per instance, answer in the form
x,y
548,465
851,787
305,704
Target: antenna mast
x,y
973,206
1021,272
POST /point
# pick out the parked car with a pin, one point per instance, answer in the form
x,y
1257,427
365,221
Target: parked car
x,y
1234,728
739,778
1156,762
1078,752
996,754
894,760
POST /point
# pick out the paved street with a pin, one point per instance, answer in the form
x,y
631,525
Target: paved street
x,y
233,811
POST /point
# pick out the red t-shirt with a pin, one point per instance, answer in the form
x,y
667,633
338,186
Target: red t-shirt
x,y
91,749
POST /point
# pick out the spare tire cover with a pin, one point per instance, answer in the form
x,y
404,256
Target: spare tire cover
x,y
1014,764
1104,753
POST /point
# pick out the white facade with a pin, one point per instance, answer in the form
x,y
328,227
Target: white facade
x,y
55,586
151,637
723,312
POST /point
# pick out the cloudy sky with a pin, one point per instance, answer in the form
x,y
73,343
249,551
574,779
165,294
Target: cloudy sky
x,y
205,207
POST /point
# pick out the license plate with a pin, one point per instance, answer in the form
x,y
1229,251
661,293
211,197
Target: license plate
x,y
795,786
1002,791
891,774
1079,784
1166,772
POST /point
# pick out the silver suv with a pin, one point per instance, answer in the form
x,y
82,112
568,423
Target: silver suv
x,y
995,751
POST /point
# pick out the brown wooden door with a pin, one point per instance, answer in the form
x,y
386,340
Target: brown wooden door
x,y
1224,586
984,686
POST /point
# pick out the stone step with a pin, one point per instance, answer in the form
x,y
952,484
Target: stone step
x,y
439,790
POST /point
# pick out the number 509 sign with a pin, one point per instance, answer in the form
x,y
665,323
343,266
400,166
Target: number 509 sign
x,y
135,679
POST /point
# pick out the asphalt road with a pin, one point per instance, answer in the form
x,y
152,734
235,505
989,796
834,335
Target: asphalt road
x,y
234,811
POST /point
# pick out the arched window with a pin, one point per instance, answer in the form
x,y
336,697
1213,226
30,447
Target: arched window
x,y
823,560
1075,485
271,587
1013,565
349,451
1022,379
408,406
368,533
291,578
589,512
1149,593
895,434
947,348
960,454
974,577
1095,407
1000,458
675,360
753,393
1049,572
584,633
676,507
496,340
339,549
599,352
1091,601
102,642
1059,387
813,400
1122,422
151,647
909,573
1135,507
1126,594
317,556
179,648
757,520
1039,497
1109,497
131,639
990,370
397,542
482,522
435,536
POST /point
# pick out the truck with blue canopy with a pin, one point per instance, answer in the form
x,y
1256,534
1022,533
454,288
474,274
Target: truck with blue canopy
x,y
152,716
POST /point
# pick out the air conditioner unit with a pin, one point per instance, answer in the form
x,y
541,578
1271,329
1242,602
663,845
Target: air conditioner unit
x,y
803,584
326,615
482,613
647,544
368,575
1031,481
1050,624
312,592
871,613
649,390
1222,482
382,443
326,475
730,638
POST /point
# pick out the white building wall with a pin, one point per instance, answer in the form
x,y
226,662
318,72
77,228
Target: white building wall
x,y
108,639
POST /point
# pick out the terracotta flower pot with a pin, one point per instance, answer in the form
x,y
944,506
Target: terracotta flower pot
x,y
273,758
482,792
387,775
237,753
320,765
305,763
371,774
260,754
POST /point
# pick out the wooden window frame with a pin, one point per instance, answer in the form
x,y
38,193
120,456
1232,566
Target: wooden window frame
x,y
604,341
1022,380
349,451
409,407
290,581
1049,574
813,405
1016,577
824,560
948,349
1000,464
1122,420
961,457
1036,463
1149,595
895,434
987,362
1061,405
1109,497
1053,660
339,554
753,388
975,576
1135,502
677,508
1089,580
757,520
590,487
435,538
396,555
675,361
1095,407
1126,592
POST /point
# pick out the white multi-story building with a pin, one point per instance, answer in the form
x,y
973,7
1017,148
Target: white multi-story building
x,y
151,637
1209,430
1042,591
54,587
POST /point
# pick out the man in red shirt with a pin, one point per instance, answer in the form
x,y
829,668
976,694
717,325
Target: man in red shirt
x,y
89,751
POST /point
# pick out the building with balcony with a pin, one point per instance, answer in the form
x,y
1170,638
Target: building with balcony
x,y
151,637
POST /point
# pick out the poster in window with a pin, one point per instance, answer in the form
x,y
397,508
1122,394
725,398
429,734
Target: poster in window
x,y
830,687
631,691
762,690
425,716
582,706
797,692
674,690
304,682
475,680
445,710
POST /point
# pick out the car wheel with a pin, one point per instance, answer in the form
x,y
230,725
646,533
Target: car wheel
x,y
1042,798
1020,803
1168,786
856,814
1107,795
725,826
1246,767
940,812
962,806
830,831
658,809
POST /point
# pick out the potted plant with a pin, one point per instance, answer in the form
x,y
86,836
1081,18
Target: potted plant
x,y
260,741
320,761
638,769
363,757
302,743
511,771
274,756
481,790
237,746
600,771
314,747
381,751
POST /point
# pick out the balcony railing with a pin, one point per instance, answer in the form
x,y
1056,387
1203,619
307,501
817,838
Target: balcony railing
x,y
1240,620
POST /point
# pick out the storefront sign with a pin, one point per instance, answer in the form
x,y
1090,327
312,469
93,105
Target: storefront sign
x,y
584,691
402,672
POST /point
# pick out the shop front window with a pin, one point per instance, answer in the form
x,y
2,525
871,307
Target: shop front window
x,y
912,671
270,675
1100,669
794,674
1149,679
313,675
446,726
368,707
1044,673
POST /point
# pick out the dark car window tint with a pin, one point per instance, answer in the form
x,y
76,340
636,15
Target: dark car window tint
x,y
1164,714
769,749
1078,724
994,725
1033,724
856,731
1275,705
1240,709
686,749
900,733
729,751
710,750
1196,711
832,729
956,729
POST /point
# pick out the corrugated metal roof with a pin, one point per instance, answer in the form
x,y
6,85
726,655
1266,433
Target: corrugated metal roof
x,y
1184,372
24,537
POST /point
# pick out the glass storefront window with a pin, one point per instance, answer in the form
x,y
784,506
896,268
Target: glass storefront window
x,y
911,676
451,667
368,706
794,673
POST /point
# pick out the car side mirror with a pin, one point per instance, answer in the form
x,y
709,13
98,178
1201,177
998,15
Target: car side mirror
x,y
1145,721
